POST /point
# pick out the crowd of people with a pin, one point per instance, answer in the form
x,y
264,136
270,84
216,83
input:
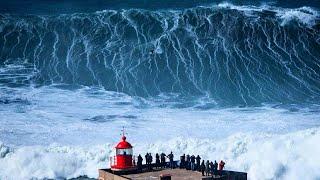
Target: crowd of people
x,y
160,161
194,163
188,162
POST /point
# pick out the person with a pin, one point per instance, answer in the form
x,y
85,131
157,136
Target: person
x,y
150,161
157,160
163,160
215,167
193,160
207,168
221,165
198,160
139,163
188,162
134,161
147,158
202,167
182,161
170,156
211,168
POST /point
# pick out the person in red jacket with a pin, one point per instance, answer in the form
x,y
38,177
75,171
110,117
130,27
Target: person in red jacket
x,y
221,165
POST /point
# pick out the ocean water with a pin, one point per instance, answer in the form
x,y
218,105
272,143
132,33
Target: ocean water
x,y
225,80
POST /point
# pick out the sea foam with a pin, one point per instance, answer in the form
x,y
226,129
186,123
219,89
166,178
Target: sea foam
x,y
305,15
263,156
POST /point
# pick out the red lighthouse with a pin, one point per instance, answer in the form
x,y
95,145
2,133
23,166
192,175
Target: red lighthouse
x,y
124,159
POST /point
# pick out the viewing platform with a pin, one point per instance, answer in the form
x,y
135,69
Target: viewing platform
x,y
126,166
167,173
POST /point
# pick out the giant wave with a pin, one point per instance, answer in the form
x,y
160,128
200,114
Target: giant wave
x,y
236,55
239,83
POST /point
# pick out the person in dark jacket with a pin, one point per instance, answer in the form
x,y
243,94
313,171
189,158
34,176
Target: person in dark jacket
x,y
215,168
207,168
193,160
147,158
182,161
188,162
139,163
198,160
202,167
211,168
150,161
163,160
157,160
170,156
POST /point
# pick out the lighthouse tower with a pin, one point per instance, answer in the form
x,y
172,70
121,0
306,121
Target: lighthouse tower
x,y
124,159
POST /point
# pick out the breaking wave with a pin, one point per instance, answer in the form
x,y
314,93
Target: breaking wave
x,y
235,55
239,83
263,156
64,133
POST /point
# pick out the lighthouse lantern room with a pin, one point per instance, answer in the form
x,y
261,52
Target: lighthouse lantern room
x,y
124,159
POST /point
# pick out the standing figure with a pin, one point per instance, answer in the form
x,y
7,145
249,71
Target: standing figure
x,y
157,160
207,168
193,160
221,166
150,161
202,167
147,158
170,156
139,163
211,168
188,162
215,166
198,159
163,160
182,161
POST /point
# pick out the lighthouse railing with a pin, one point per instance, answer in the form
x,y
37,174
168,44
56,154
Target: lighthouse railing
x,y
113,161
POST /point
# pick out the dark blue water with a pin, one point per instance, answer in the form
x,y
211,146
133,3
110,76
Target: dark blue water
x,y
174,73
245,53
73,6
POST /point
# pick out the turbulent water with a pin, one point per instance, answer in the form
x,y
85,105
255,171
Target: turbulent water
x,y
239,83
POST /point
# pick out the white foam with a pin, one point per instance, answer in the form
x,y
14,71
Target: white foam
x,y
241,8
305,15
263,156
68,133
53,162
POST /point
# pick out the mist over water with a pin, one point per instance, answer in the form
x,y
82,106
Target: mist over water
x,y
238,82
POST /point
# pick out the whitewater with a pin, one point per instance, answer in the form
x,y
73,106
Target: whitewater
x,y
238,83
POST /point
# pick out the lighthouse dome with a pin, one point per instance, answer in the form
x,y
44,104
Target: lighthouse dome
x,y
123,144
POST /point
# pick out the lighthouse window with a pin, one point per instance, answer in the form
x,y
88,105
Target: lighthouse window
x,y
124,151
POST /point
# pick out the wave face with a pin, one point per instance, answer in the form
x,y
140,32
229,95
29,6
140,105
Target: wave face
x,y
236,55
218,81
